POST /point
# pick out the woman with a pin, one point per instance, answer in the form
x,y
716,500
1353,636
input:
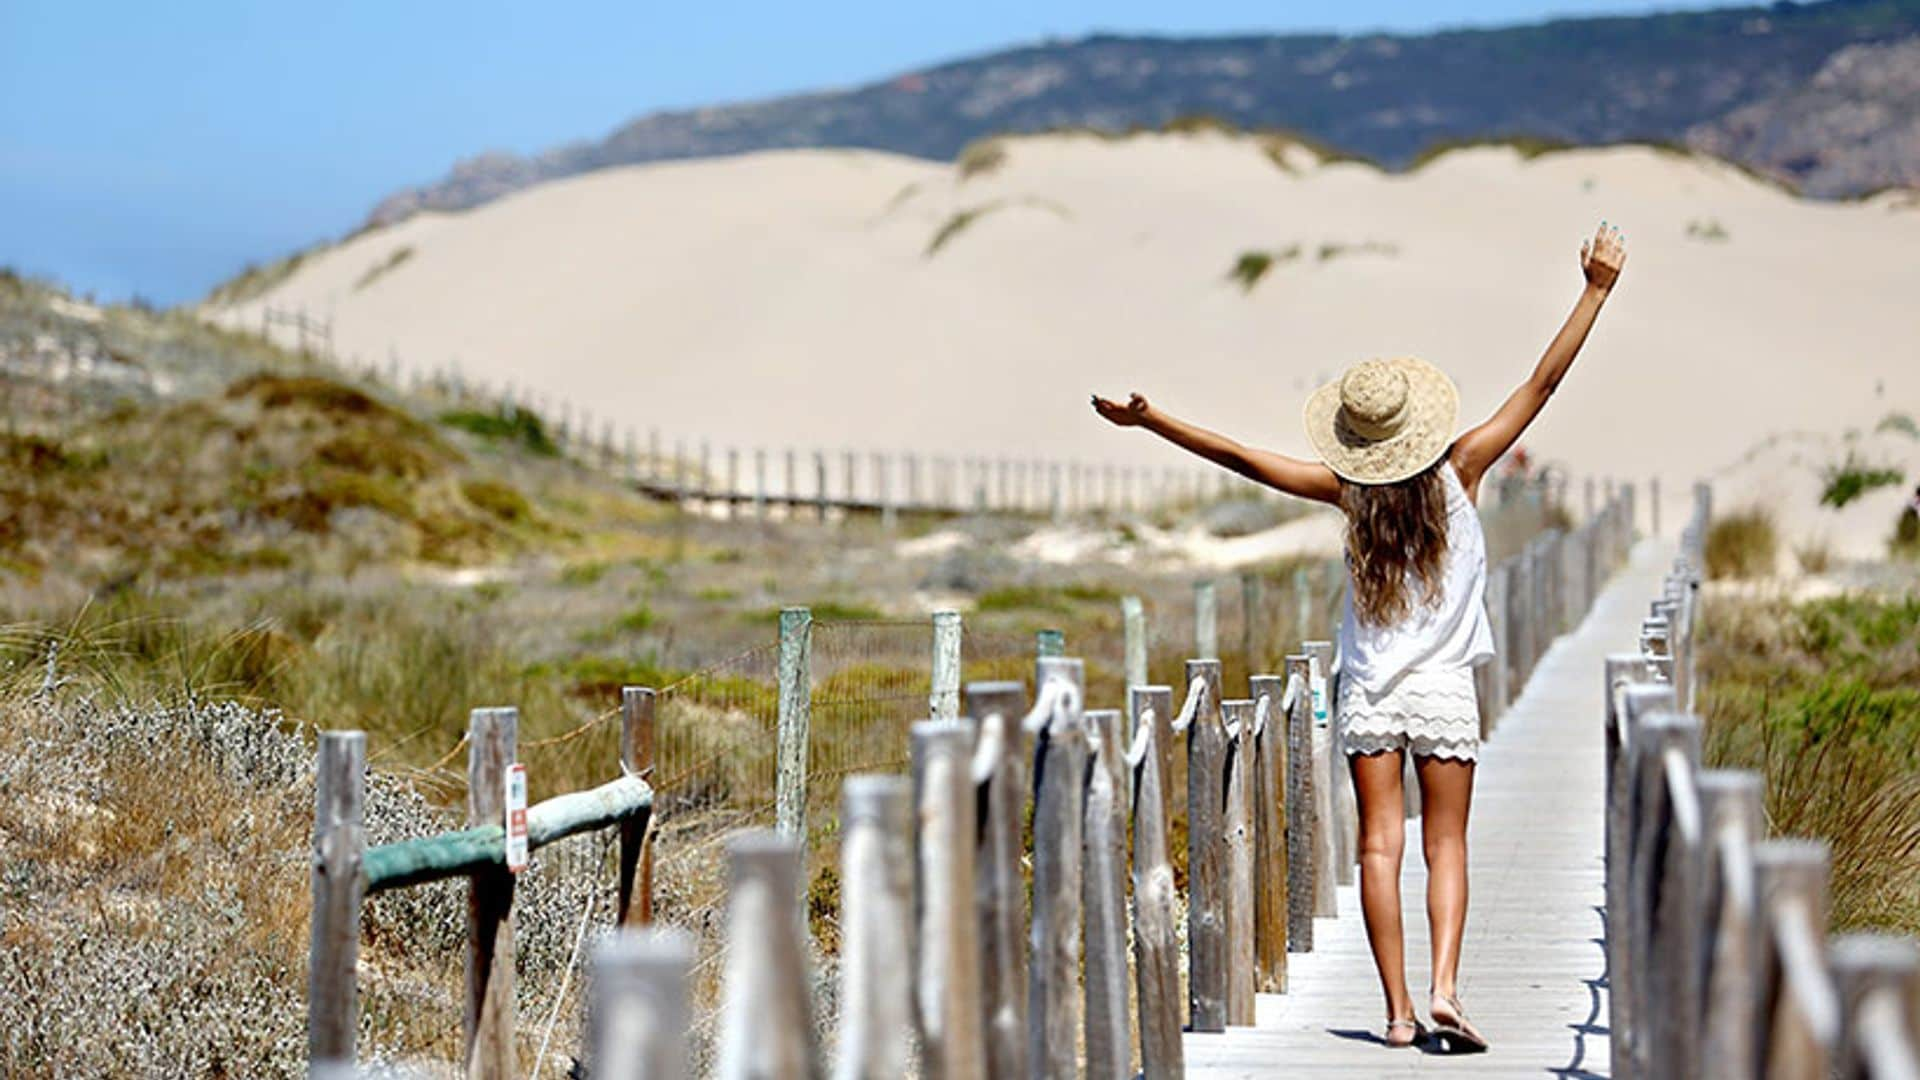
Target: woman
x,y
1415,621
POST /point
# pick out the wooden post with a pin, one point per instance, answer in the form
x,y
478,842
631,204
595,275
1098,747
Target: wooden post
x,y
1133,617
1053,987
1156,947
706,475
1252,629
1000,889
847,478
766,1027
1627,702
333,951
1103,896
637,1015
1337,804
1049,643
1798,1007
947,983
1878,979
1159,699
943,702
1270,837
1730,804
883,491
492,741
635,900
733,483
1206,621
1490,678
796,718
1206,856
760,484
1238,828
1302,604
876,858
1653,506
820,496
1517,630
1665,929
1302,886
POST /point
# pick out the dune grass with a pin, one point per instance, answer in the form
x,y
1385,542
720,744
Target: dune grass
x,y
1823,699
1742,544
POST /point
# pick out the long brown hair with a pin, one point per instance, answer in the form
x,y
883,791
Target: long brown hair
x,y
1396,540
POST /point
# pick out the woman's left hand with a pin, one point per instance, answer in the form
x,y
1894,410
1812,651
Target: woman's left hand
x,y
1603,257
1132,414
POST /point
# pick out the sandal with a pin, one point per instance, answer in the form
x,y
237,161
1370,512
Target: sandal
x,y
1419,1034
1454,1033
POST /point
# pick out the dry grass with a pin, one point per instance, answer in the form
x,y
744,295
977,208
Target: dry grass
x,y
1742,544
1821,698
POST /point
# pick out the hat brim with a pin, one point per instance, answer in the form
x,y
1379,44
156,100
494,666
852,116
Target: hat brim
x,y
1434,406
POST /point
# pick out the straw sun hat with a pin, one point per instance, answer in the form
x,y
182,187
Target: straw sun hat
x,y
1383,420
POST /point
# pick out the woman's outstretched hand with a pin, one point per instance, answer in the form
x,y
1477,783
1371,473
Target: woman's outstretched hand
x,y
1603,257
1132,414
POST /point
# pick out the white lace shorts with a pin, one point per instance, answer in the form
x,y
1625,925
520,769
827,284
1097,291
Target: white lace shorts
x,y
1433,713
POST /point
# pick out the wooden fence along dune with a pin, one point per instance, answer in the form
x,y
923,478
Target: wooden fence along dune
x,y
1717,955
973,945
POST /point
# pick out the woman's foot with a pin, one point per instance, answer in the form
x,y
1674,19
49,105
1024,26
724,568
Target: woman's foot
x,y
1450,1025
1403,1033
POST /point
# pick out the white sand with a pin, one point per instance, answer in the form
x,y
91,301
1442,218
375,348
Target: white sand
x,y
784,299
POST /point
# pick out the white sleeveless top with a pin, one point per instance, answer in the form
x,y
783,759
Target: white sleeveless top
x,y
1451,634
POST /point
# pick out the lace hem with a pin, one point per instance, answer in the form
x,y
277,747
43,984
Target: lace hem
x,y
1430,713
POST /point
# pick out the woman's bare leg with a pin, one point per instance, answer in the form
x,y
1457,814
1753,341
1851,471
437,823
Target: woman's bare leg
x,y
1376,783
1446,791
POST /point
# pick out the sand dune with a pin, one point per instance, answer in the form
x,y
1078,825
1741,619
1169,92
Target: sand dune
x,y
789,298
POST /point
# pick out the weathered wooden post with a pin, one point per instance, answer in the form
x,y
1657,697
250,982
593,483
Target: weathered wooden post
x,y
1337,805
1206,621
706,475
1133,618
760,483
790,492
876,857
637,1015
1158,700
1053,987
1206,855
820,495
1518,631
883,491
1302,886
1269,833
492,742
1302,603
1104,898
947,986
1665,928
1799,1011
339,840
1000,890
1878,979
847,477
733,483
1057,506
1238,829
1156,947
796,720
943,702
1653,506
1628,702
1490,678
635,898
1730,804
1253,638
766,1029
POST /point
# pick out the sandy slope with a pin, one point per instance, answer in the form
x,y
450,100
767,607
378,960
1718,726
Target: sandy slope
x,y
788,298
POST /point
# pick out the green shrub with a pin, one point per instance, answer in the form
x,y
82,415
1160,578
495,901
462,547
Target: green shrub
x,y
1853,478
1742,544
1251,266
1900,422
981,158
517,425
501,500
383,267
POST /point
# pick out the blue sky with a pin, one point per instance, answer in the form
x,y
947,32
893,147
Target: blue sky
x,y
155,148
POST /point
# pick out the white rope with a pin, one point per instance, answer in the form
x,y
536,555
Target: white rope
x,y
1295,687
1056,694
1804,969
1681,794
1196,691
1261,707
991,747
1142,740
1882,1038
1736,867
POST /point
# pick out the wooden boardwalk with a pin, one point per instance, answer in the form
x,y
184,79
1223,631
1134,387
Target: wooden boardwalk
x,y
1533,968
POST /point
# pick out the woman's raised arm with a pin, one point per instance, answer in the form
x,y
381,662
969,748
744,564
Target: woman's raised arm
x,y
1305,479
1601,260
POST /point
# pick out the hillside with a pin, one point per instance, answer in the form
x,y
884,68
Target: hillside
x,y
885,302
1746,81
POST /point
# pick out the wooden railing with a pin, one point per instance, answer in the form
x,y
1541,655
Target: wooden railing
x,y
941,959
1718,960
346,872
